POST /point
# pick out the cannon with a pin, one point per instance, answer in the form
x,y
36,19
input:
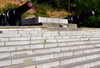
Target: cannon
x,y
13,17
78,18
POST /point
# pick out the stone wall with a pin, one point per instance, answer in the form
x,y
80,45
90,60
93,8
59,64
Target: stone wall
x,y
49,22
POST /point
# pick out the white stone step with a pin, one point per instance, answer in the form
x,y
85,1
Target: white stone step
x,y
20,53
14,38
97,66
11,33
26,46
92,63
8,43
58,61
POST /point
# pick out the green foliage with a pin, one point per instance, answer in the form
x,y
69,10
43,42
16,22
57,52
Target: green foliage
x,y
8,6
60,4
86,6
42,6
41,10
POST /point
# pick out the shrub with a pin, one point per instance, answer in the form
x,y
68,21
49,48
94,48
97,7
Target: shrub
x,y
83,6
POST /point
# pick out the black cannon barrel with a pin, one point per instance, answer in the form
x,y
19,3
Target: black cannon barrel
x,y
12,16
22,9
78,18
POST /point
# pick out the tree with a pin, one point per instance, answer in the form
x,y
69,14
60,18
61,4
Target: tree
x,y
83,6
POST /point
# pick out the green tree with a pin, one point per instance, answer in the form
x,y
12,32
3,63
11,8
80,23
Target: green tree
x,y
83,6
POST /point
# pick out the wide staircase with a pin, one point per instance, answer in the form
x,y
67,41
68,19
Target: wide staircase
x,y
40,48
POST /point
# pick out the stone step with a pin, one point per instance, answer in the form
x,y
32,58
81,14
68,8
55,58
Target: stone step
x,y
97,66
8,43
57,62
8,33
27,38
49,33
92,63
23,46
20,53
64,29
48,38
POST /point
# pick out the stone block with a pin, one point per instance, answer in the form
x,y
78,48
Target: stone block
x,y
48,65
65,37
24,32
74,47
22,60
62,44
78,59
2,44
36,35
72,25
20,47
9,32
4,55
35,29
73,36
38,38
90,46
71,43
4,39
83,46
58,37
11,48
83,66
33,66
50,50
62,34
84,38
69,54
47,34
42,57
64,48
67,61
62,40
21,53
3,49
58,55
51,24
17,42
37,41
51,37
55,34
10,35
55,50
51,40
5,63
78,52
97,45
51,45
34,46
52,32
87,51
19,38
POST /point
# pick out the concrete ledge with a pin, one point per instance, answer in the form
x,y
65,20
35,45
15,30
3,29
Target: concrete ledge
x,y
19,27
59,25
